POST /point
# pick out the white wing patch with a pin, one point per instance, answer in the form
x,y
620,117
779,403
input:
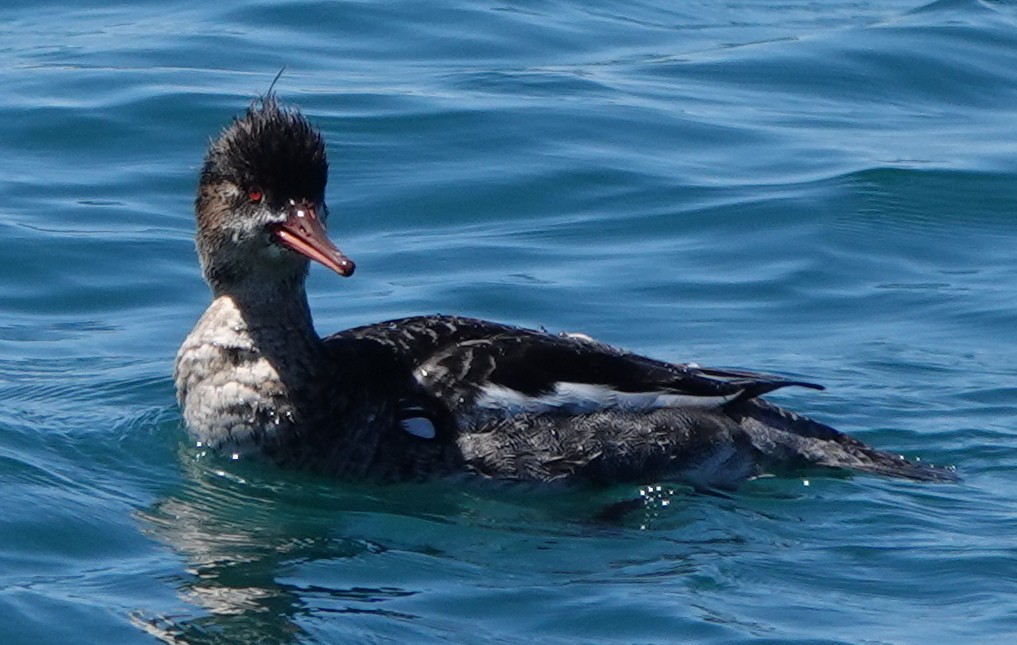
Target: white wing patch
x,y
575,335
419,427
583,398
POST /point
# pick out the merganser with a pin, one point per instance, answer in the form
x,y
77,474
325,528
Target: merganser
x,y
434,396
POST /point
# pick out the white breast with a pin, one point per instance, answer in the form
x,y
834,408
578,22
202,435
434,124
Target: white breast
x,y
232,397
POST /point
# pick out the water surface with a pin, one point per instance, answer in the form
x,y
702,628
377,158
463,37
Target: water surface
x,y
823,190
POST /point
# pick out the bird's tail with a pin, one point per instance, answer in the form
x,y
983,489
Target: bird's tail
x,y
789,438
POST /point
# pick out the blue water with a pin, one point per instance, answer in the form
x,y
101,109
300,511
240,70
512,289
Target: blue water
x,y
821,189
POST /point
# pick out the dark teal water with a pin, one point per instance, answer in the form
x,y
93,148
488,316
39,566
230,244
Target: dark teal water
x,y
823,189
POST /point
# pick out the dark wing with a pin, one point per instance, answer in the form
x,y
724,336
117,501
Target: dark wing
x,y
418,338
394,350
538,372
461,369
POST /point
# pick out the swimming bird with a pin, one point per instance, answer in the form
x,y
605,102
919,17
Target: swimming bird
x,y
437,395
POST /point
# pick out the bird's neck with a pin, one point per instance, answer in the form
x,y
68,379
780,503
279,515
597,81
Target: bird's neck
x,y
249,368
273,313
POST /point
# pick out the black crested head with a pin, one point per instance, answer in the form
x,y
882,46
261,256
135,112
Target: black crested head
x,y
260,203
270,149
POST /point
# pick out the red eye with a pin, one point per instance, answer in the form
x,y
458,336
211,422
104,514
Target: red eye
x,y
255,195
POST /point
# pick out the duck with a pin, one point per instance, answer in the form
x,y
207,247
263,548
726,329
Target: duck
x,y
445,396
